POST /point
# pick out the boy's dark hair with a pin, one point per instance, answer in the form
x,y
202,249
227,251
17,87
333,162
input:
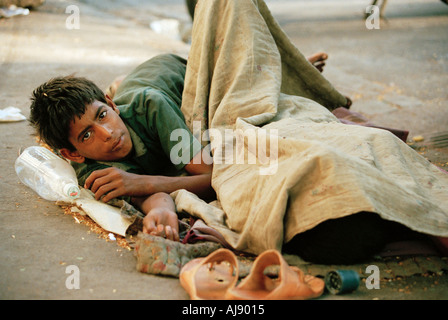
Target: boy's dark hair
x,y
55,104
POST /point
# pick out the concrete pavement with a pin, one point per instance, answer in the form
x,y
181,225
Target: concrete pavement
x,y
396,75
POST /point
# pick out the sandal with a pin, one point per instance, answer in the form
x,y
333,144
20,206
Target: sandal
x,y
211,277
291,283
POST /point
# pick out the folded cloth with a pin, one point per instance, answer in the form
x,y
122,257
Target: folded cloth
x,y
157,255
199,231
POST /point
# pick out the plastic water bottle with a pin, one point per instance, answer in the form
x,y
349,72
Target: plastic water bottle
x,y
50,176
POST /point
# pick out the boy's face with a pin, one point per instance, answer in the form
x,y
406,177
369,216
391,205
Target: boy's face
x,y
100,134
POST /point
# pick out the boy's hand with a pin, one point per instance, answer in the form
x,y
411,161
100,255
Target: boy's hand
x,y
113,182
162,222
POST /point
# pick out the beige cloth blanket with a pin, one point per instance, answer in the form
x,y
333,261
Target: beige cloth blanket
x,y
283,163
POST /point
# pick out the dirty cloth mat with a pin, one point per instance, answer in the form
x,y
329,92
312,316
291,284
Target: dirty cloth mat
x,y
258,83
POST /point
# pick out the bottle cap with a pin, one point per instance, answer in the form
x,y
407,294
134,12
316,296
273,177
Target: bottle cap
x,y
72,191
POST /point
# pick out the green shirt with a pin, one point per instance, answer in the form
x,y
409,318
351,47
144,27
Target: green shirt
x,y
149,100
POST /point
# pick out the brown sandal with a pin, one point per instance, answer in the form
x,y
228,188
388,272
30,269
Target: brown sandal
x,y
211,277
291,283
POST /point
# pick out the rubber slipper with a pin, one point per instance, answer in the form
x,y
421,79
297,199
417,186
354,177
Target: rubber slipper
x,y
291,282
211,277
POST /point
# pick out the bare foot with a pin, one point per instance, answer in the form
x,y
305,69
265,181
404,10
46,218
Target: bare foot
x,y
318,60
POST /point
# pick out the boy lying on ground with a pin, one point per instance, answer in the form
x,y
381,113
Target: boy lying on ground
x,y
125,151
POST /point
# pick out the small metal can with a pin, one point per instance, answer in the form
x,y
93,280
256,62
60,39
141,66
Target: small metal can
x,y
342,281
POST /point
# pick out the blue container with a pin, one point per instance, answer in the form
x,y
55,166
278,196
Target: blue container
x,y
342,281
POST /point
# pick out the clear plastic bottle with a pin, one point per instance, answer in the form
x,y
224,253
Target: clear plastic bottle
x,y
50,176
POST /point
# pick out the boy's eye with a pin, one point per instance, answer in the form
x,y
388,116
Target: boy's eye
x,y
86,136
102,115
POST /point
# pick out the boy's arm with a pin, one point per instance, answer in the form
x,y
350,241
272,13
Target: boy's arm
x,y
111,183
161,218
198,181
